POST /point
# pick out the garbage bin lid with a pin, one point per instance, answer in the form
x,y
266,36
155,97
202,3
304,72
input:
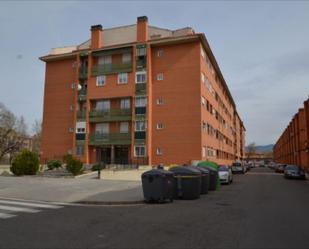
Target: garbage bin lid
x,y
185,171
203,169
210,169
157,172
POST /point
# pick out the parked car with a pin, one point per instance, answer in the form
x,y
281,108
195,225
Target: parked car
x,y
238,168
294,172
280,168
225,174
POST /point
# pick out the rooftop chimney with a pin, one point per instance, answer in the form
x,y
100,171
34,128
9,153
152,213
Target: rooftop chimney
x,y
96,36
142,29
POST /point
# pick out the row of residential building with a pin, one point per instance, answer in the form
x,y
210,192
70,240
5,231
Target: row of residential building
x,y
293,145
139,93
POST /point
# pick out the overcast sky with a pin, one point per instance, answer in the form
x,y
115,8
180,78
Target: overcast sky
x,y
262,48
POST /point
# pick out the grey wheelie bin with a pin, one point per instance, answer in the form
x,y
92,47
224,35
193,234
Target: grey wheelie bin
x,y
204,179
187,184
213,178
158,185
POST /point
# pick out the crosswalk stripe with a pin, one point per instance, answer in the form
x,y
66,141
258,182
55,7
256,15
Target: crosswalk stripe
x,y
5,216
18,209
28,204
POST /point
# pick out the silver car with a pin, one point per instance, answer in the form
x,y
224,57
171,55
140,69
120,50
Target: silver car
x,y
225,174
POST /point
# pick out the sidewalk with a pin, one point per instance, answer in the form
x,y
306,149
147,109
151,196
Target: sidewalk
x,y
92,191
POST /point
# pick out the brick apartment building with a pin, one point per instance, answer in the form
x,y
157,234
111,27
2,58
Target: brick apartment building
x,y
292,146
139,93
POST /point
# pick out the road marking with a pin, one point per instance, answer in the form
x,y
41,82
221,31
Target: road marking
x,y
18,209
28,204
5,216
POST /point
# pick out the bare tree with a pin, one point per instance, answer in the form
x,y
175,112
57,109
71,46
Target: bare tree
x,y
37,130
13,132
251,150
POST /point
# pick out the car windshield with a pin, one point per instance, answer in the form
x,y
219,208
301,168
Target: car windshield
x,y
291,167
223,168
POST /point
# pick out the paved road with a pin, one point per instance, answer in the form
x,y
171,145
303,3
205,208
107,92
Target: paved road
x,y
259,210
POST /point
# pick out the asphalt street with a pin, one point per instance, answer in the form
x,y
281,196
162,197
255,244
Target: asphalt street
x,y
259,210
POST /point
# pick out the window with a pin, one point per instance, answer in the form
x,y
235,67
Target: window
x,y
141,51
160,53
140,126
71,107
202,53
203,77
160,101
159,151
103,105
102,128
139,150
122,78
101,80
140,77
72,85
204,151
124,127
71,129
125,104
105,60
160,126
160,76
126,58
140,101
203,101
79,150
81,130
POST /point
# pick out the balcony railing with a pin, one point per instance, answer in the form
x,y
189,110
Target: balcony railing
x,y
83,73
82,95
110,115
108,139
140,88
111,68
81,115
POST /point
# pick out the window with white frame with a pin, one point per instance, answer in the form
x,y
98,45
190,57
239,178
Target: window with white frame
x,y
140,126
105,60
125,104
79,150
140,101
122,78
139,150
202,53
160,76
159,151
103,105
160,126
71,129
160,101
160,53
101,80
203,77
140,77
204,151
124,127
126,58
102,128
203,101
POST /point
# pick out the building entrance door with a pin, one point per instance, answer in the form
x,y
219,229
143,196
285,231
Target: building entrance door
x,y
104,155
122,154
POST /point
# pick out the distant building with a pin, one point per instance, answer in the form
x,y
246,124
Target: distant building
x,y
139,93
292,146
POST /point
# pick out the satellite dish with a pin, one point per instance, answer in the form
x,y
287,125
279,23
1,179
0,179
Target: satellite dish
x,y
79,87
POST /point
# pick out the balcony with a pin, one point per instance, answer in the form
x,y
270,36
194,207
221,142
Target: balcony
x,y
110,115
81,115
140,88
83,73
111,69
109,139
82,95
